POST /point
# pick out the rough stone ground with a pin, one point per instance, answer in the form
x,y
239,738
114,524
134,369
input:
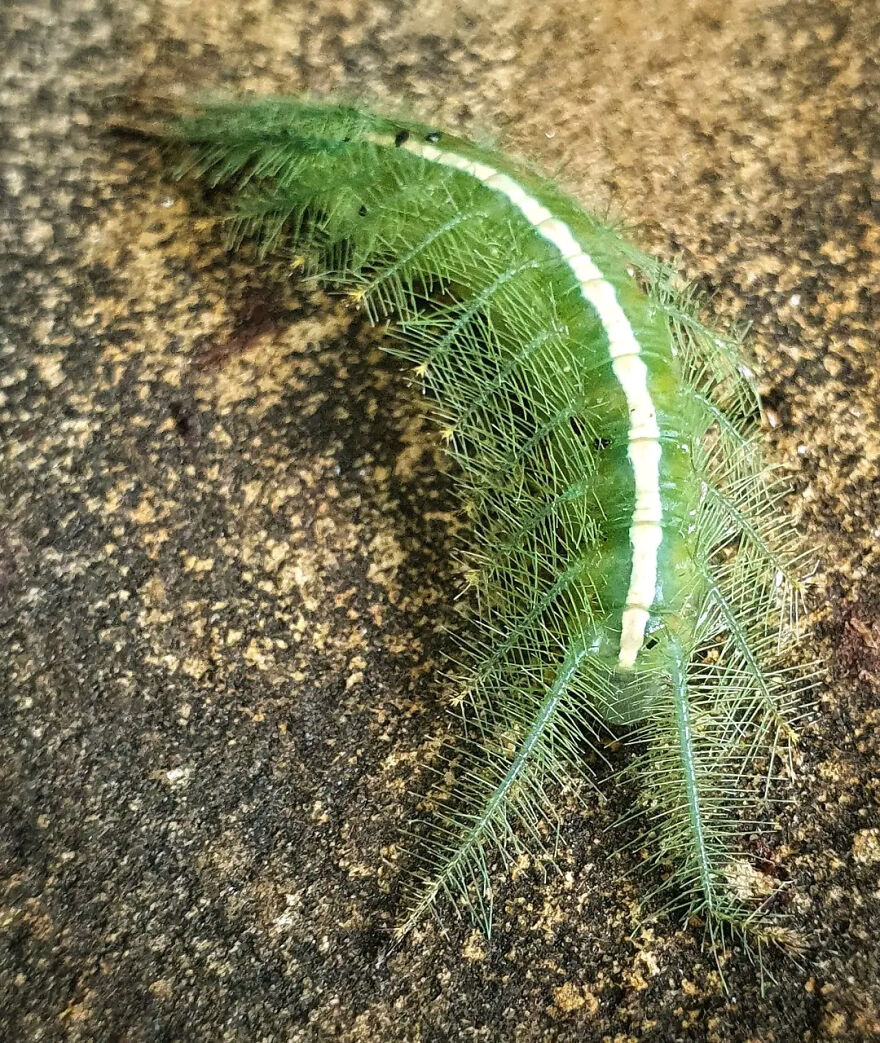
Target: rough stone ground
x,y
226,555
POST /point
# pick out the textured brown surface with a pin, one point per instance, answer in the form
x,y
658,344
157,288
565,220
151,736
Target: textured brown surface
x,y
227,535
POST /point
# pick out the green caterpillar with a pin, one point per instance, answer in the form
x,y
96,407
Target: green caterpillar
x,y
630,562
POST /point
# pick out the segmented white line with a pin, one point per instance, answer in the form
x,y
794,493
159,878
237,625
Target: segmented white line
x,y
643,447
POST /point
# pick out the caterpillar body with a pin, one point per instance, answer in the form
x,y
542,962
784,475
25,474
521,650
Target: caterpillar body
x,y
630,562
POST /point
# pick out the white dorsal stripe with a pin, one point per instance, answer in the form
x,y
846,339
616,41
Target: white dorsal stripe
x,y
629,369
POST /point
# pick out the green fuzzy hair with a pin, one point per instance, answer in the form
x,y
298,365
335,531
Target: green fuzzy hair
x,y
484,314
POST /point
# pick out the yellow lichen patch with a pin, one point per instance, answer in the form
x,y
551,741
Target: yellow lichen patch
x,y
474,948
143,513
195,668
259,655
50,369
356,675
193,563
386,558
153,591
748,883
866,846
569,997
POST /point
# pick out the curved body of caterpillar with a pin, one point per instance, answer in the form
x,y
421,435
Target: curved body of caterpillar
x,y
630,564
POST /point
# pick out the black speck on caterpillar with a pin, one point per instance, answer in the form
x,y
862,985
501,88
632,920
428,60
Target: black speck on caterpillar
x,y
631,564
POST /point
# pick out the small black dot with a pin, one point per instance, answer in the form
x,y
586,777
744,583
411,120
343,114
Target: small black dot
x,y
601,443
401,137
185,420
362,210
433,137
